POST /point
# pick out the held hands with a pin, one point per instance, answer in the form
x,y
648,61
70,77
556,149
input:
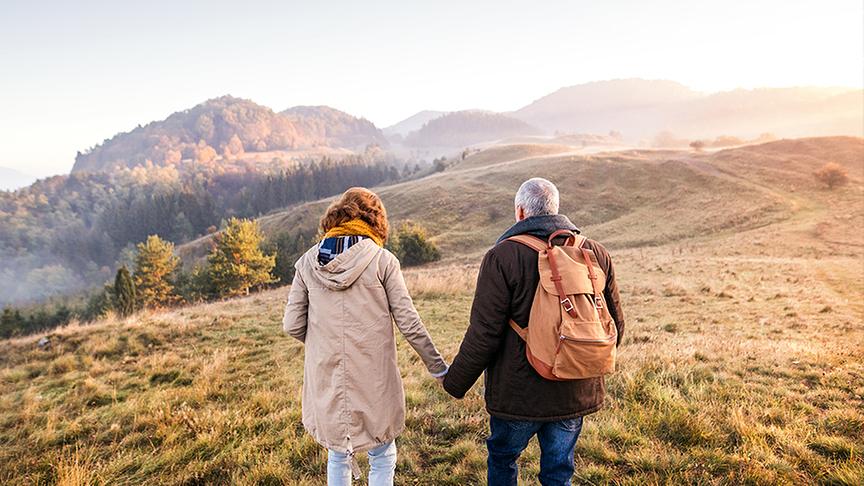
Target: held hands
x,y
440,378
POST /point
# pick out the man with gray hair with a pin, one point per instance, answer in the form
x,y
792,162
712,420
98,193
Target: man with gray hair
x,y
522,403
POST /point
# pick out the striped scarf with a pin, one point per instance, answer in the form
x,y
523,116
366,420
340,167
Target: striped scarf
x,y
333,246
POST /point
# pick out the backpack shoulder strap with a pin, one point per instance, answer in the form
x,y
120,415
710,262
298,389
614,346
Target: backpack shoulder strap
x,y
532,242
595,284
539,246
521,331
578,241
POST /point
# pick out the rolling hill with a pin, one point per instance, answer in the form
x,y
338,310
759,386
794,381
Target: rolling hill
x,y
412,123
463,128
229,127
639,109
632,198
336,128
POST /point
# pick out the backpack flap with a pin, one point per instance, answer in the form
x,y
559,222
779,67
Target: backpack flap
x,y
574,274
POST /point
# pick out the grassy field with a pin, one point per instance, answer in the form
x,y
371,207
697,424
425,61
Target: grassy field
x,y
743,360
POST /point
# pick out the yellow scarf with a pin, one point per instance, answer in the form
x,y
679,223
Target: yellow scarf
x,y
355,227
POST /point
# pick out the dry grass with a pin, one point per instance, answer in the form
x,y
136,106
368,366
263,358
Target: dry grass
x,y
727,375
626,199
742,364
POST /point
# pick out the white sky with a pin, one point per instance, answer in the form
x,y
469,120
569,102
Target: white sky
x,y
73,73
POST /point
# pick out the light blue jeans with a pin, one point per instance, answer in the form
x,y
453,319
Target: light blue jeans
x,y
382,466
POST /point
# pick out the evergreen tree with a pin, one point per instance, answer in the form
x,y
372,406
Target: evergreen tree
x,y
411,246
195,285
182,228
124,293
288,247
9,323
98,304
155,264
237,262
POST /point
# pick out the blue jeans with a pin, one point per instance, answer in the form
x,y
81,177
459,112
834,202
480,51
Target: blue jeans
x,y
510,437
382,466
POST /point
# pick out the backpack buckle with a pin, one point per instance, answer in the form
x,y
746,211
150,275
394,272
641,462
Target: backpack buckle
x,y
568,305
598,302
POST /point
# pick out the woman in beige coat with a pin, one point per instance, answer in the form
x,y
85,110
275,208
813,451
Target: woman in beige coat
x,y
347,292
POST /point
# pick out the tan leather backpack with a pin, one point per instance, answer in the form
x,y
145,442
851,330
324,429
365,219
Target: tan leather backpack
x,y
570,333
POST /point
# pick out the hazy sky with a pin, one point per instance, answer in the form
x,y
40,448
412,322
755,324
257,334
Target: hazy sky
x,y
73,73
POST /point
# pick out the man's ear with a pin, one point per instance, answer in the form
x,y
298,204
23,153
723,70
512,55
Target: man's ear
x,y
520,213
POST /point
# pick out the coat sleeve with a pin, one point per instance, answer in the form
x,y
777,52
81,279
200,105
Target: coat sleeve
x,y
610,293
408,320
486,329
295,320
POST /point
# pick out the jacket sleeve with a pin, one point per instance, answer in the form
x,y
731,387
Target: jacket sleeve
x,y
408,320
610,293
486,329
295,321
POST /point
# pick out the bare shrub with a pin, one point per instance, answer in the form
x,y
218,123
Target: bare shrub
x,y
832,175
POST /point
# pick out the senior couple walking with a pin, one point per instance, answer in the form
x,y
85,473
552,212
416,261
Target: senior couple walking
x,y
348,291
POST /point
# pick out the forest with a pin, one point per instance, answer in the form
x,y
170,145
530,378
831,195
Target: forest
x,y
67,234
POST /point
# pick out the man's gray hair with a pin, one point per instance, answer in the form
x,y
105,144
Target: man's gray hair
x,y
537,197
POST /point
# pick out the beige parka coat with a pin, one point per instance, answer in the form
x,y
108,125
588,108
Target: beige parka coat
x,y
344,312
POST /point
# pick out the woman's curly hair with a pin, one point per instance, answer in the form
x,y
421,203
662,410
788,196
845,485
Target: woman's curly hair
x,y
357,203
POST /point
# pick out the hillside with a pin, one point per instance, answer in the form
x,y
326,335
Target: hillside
x,y
463,128
641,108
227,127
336,128
741,362
625,199
412,123
66,235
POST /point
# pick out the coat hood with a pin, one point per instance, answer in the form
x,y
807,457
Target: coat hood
x,y
341,272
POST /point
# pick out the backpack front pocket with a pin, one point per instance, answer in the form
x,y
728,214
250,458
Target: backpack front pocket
x,y
584,350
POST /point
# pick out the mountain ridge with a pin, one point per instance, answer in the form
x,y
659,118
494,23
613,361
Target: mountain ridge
x,y
468,127
412,123
641,108
228,127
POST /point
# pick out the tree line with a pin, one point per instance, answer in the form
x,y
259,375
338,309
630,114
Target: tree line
x,y
240,261
74,229
236,265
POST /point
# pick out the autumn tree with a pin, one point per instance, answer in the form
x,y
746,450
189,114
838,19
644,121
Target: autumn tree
x,y
697,145
237,263
155,264
832,175
234,147
205,154
123,294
